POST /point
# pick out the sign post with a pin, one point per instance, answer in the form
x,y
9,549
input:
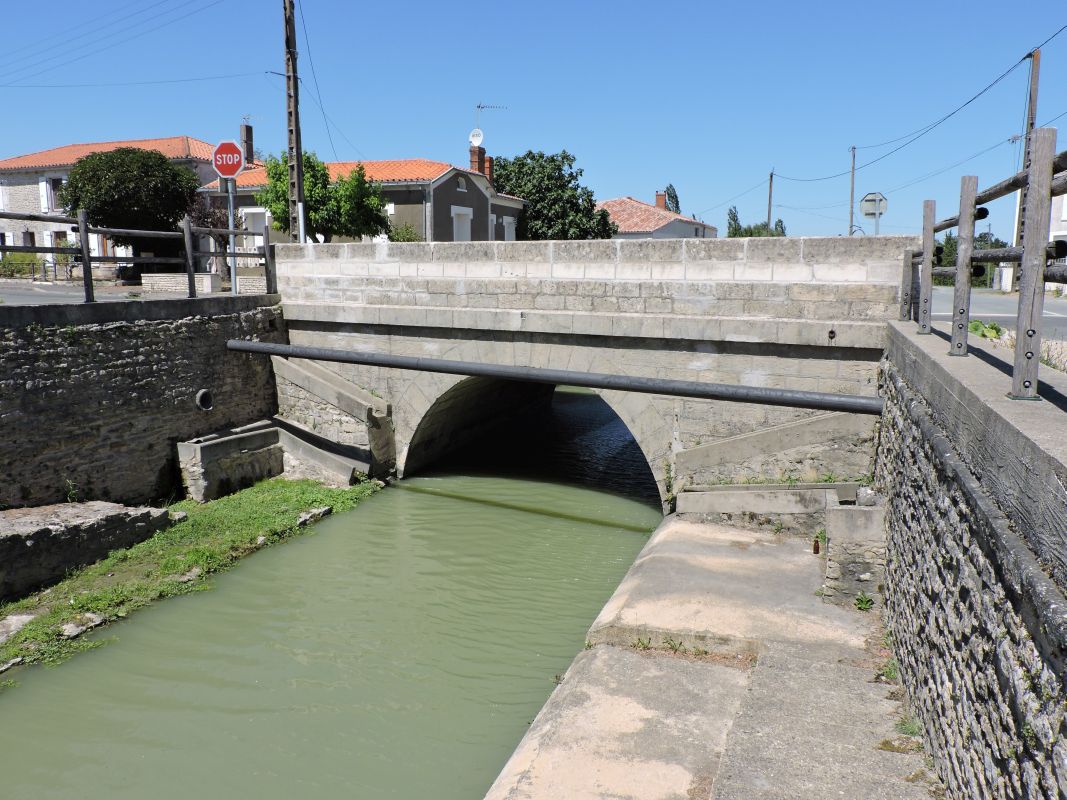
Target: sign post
x,y
874,205
229,161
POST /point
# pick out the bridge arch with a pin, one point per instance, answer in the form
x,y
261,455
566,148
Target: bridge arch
x,y
436,414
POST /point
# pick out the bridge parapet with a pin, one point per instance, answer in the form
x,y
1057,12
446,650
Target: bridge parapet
x,y
803,313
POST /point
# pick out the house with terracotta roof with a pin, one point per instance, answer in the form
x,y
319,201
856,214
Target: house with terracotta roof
x,y
29,184
637,220
442,202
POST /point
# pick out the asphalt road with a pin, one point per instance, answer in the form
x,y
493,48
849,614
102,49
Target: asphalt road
x,y
24,293
990,306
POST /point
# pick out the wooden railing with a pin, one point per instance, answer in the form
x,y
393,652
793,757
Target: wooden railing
x,y
1046,178
187,236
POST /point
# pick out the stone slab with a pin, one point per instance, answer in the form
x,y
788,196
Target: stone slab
x,y
625,724
729,589
757,501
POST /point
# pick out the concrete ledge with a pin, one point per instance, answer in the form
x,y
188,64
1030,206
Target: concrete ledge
x,y
765,499
329,387
847,334
132,310
38,546
626,725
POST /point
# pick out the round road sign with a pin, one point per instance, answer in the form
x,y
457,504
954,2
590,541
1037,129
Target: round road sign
x,y
228,160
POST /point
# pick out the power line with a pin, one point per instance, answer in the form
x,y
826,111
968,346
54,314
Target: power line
x,y
314,75
735,197
327,116
91,30
132,83
122,33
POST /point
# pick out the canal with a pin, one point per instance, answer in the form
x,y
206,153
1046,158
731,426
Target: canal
x,y
399,650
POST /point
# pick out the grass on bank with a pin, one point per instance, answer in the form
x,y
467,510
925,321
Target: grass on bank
x,y
213,538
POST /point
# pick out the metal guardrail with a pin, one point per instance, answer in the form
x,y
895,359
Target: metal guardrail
x,y
1035,258
186,235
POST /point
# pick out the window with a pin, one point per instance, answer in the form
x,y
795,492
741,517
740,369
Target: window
x,y
55,185
29,239
390,209
461,184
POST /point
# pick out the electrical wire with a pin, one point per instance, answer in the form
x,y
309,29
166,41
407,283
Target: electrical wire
x,y
122,33
735,197
311,60
327,116
132,83
91,30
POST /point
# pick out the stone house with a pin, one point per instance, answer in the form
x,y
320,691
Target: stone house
x,y
29,184
442,202
638,220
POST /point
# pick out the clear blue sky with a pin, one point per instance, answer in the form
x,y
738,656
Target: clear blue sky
x,y
707,96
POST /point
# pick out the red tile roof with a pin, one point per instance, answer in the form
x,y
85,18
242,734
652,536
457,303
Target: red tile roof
x,y
392,171
633,216
179,147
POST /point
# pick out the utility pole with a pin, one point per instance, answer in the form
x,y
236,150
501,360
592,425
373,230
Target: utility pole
x,y
770,193
1031,115
852,193
296,153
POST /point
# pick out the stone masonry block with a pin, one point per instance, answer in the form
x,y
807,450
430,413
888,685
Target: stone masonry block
x,y
776,249
668,270
568,270
598,250
464,251
857,249
410,251
354,251
600,270
885,272
753,271
539,252
788,273
714,250
647,250
709,271
840,272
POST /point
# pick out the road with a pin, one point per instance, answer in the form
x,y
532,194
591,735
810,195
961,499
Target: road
x,y
25,293
990,306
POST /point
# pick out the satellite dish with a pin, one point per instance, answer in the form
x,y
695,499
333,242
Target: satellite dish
x,y
476,137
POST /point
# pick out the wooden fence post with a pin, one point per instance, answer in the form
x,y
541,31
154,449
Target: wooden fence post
x,y
87,258
961,294
269,270
905,286
190,257
1035,258
926,277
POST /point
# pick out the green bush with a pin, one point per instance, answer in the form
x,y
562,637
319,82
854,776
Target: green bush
x,y
987,330
404,233
18,265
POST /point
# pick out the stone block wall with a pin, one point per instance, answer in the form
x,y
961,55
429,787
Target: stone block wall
x,y
791,313
38,546
978,621
93,398
322,418
206,282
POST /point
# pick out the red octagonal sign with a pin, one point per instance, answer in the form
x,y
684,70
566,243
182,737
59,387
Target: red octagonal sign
x,y
228,159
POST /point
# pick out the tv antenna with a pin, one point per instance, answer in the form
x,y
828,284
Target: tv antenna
x,y
482,107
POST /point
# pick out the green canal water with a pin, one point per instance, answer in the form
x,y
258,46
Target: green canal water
x,y
399,650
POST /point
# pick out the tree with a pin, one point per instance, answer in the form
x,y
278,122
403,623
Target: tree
x,y
351,206
672,199
950,248
558,206
130,188
404,233
735,229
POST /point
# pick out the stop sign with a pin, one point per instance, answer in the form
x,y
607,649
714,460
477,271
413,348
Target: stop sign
x,y
228,159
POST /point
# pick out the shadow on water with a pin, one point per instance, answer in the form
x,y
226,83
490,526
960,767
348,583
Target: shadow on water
x,y
576,440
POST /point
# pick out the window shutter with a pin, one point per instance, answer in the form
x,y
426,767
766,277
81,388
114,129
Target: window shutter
x,y
42,185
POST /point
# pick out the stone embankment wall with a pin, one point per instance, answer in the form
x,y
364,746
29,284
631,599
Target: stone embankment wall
x,y
790,313
974,582
94,397
38,546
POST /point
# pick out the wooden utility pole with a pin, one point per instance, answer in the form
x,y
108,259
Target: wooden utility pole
x,y
852,193
296,153
770,194
1031,114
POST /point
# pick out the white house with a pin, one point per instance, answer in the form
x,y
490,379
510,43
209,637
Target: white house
x,y
637,220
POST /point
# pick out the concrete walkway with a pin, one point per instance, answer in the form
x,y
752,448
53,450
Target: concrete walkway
x,y
716,672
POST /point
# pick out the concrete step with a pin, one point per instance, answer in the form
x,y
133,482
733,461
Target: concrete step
x,y
343,462
810,726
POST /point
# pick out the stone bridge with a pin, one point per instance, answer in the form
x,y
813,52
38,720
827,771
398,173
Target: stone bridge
x,y
794,313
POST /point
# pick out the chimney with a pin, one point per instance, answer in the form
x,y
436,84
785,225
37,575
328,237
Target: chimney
x,y
661,200
489,168
246,144
477,159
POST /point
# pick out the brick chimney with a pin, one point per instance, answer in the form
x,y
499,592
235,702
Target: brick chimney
x,y
489,168
477,159
661,200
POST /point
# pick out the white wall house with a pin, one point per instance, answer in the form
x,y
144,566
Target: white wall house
x,y
29,184
637,220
